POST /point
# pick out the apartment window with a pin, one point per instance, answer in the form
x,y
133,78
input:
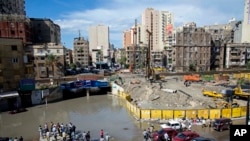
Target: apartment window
x,y
42,58
48,51
13,47
58,51
14,60
12,32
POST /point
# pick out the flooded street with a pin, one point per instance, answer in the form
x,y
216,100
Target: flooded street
x,y
88,114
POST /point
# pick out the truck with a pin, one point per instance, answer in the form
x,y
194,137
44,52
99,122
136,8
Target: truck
x,y
192,78
225,93
239,93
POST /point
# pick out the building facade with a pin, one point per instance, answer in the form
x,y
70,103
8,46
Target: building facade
x,y
99,41
45,31
68,57
192,50
81,52
246,23
44,69
12,7
11,63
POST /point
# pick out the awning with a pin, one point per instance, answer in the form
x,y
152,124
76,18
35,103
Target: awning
x,y
9,94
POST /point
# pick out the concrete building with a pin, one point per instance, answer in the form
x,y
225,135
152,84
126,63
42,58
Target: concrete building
x,y
68,57
99,41
11,63
120,54
16,7
156,22
45,31
15,26
237,55
246,23
127,38
41,66
81,52
192,50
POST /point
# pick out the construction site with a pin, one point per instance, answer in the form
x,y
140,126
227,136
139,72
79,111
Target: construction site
x,y
192,91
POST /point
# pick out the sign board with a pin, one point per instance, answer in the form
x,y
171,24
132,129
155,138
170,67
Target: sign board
x,y
45,93
27,84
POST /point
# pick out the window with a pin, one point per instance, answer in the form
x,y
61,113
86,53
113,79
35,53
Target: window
x,y
13,47
0,60
12,32
14,60
58,51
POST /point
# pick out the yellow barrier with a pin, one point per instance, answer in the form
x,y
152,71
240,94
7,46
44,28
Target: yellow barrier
x,y
170,114
145,114
156,114
191,114
179,113
167,114
214,113
243,112
203,113
226,113
236,112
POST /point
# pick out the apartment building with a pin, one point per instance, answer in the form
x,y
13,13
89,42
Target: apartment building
x,y
246,23
15,26
192,50
81,52
68,57
156,22
99,41
12,7
11,63
237,55
45,31
42,68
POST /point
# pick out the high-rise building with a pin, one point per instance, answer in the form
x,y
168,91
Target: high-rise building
x,y
81,52
246,23
16,7
156,22
99,42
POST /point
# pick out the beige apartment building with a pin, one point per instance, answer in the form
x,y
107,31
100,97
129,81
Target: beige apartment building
x,y
192,50
157,22
42,68
81,52
68,57
12,68
237,55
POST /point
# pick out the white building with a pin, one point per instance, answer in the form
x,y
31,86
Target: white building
x,y
246,23
99,43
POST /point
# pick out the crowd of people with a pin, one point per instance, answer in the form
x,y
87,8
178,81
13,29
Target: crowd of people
x,y
66,132
11,139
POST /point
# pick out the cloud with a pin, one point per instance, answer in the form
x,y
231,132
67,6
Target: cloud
x,y
120,15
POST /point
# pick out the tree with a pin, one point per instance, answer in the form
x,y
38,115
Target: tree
x,y
123,60
51,61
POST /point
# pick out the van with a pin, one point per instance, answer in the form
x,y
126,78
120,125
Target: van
x,y
173,124
221,124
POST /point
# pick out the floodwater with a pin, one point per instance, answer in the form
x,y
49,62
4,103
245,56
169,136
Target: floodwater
x,y
91,113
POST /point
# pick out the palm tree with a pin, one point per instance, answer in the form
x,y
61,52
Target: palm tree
x,y
51,61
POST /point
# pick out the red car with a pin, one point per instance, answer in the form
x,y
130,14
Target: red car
x,y
185,136
159,135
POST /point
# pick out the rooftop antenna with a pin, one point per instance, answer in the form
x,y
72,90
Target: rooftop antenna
x,y
79,34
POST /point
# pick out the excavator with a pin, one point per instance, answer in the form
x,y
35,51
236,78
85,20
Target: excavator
x,y
239,93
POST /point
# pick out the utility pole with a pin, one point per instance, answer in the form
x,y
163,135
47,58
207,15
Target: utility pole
x,y
148,53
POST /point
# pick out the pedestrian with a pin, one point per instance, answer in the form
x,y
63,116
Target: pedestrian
x,y
107,137
21,138
101,133
145,135
15,139
84,135
40,130
204,123
166,137
87,136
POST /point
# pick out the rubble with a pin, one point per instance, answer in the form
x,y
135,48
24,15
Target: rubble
x,y
148,95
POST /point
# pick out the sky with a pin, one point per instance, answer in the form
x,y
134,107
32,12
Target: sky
x,y
119,15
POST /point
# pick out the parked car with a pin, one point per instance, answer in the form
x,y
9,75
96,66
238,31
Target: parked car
x,y
159,135
221,124
185,136
174,124
203,139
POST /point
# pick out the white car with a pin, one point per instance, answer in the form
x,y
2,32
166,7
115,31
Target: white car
x,y
173,124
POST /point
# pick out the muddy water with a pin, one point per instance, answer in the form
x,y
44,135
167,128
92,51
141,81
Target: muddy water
x,y
87,113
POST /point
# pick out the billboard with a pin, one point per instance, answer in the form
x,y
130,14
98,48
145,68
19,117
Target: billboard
x,y
27,84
